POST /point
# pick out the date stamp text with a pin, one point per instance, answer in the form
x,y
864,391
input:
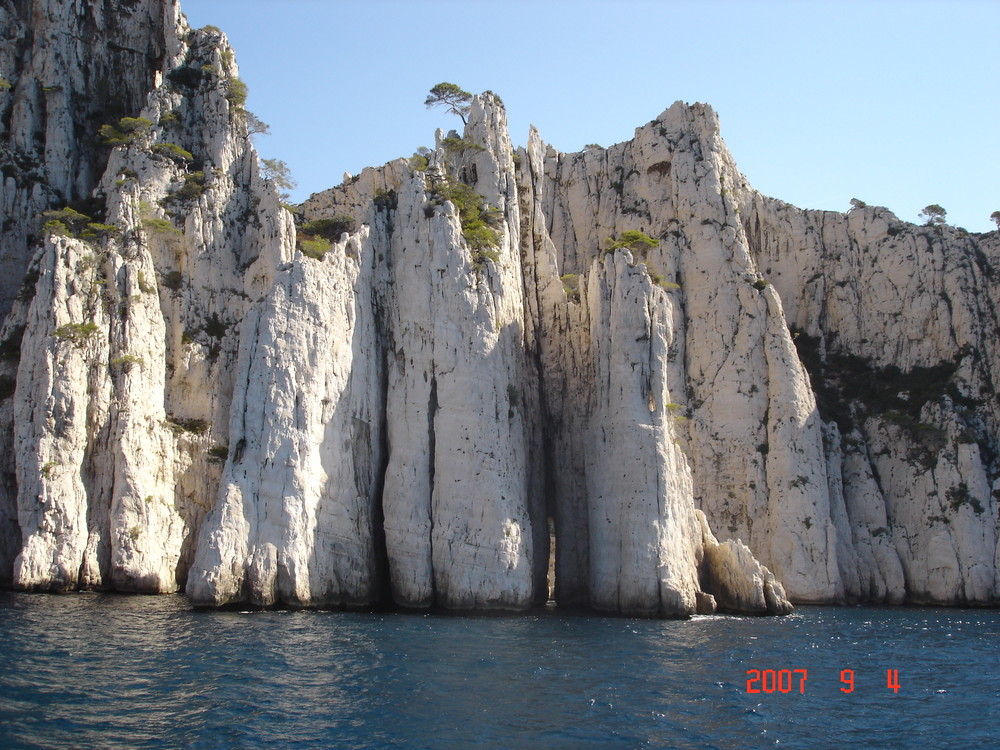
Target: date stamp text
x,y
794,680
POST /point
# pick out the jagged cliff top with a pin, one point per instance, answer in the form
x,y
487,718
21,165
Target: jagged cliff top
x,y
620,377
809,116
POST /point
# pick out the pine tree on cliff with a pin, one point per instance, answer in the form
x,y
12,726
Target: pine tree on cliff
x,y
451,96
933,215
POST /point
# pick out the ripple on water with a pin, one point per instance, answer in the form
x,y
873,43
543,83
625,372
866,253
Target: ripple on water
x,y
107,671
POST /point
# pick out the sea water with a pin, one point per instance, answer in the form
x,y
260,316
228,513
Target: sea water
x,y
102,671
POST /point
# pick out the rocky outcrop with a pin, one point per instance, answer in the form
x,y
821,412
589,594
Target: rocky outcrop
x,y
296,517
443,359
894,322
645,542
69,67
460,396
741,584
740,396
623,366
123,339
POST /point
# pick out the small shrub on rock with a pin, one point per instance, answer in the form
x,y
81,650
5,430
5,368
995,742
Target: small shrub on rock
x,y
66,222
631,239
173,152
173,280
479,221
236,93
191,189
129,130
75,333
330,229
315,247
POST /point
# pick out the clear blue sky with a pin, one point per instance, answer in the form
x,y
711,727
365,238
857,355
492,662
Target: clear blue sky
x,y
895,102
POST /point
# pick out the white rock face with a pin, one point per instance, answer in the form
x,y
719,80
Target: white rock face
x,y
51,422
645,542
761,400
615,400
430,353
834,521
897,322
462,506
124,345
296,517
457,493
68,66
754,438
51,103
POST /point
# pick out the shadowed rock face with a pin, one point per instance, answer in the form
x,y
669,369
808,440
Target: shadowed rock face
x,y
764,405
72,67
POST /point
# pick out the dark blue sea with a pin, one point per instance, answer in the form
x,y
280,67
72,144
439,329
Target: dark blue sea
x,y
102,671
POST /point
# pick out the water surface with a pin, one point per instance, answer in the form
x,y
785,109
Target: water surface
x,y
94,670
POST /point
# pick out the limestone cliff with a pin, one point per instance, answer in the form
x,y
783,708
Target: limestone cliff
x,y
69,67
123,339
624,364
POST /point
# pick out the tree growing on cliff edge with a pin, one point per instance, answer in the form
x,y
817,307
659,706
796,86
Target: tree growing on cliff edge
x,y
451,96
995,218
278,172
255,125
934,215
